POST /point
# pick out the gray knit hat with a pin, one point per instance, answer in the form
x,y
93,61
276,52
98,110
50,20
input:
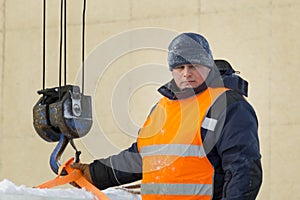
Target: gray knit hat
x,y
190,48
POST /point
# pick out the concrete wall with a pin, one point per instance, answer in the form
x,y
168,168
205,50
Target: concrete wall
x,y
258,37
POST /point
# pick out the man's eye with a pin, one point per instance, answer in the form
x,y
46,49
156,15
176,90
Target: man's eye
x,y
179,67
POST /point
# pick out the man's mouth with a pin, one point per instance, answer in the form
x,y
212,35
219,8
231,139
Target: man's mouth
x,y
188,82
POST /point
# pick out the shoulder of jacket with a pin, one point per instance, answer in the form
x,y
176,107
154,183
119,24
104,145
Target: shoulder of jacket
x,y
226,99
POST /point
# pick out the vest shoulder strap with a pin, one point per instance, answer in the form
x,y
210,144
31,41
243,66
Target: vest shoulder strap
x,y
211,135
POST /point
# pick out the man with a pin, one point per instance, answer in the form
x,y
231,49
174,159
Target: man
x,y
200,140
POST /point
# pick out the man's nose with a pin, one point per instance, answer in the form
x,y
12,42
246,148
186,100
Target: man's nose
x,y
186,71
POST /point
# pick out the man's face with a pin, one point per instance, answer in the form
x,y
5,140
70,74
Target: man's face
x,y
190,75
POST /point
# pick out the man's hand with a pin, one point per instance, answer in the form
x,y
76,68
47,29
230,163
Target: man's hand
x,y
84,168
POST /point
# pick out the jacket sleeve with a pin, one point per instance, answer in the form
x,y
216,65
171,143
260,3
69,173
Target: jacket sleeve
x,y
238,148
118,169
126,167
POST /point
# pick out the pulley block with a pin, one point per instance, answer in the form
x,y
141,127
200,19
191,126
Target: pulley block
x,y
62,110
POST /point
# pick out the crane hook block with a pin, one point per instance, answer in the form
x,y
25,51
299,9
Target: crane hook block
x,y
62,110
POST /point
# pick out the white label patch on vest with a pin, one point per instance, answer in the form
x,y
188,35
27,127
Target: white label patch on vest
x,y
209,123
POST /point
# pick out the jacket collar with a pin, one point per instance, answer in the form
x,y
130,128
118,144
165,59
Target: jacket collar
x,y
171,91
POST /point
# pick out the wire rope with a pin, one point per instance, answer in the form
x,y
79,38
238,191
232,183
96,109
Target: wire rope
x,y
44,43
83,44
60,46
65,42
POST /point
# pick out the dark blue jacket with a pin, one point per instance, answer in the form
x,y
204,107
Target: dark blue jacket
x,y
233,150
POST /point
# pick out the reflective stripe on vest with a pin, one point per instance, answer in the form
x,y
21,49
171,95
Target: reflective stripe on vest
x,y
174,161
209,123
173,149
177,189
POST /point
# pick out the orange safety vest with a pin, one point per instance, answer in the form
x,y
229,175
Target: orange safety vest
x,y
174,160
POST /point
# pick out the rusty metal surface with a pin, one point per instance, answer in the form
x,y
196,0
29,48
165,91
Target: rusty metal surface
x,y
41,123
52,117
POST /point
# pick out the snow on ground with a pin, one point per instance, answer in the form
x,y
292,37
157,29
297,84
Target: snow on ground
x,y
10,191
